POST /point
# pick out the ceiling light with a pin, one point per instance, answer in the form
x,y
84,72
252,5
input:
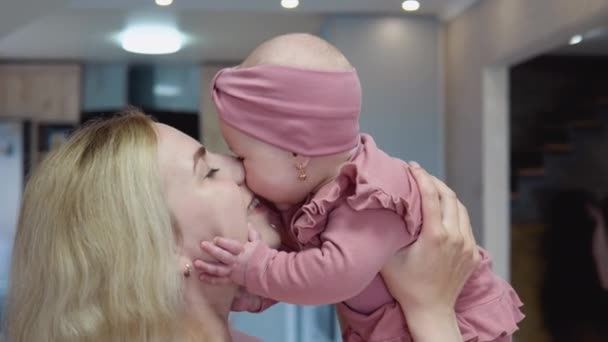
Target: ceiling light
x,y
410,5
164,2
152,40
576,39
289,4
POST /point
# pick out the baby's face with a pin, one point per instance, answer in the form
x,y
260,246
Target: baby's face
x,y
270,172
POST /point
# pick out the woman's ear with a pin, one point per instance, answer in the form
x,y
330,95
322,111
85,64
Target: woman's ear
x,y
185,266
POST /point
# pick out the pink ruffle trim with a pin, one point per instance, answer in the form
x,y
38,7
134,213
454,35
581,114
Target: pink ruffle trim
x,y
492,320
352,188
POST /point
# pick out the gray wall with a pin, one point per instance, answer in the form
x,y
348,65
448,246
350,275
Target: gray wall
x,y
400,66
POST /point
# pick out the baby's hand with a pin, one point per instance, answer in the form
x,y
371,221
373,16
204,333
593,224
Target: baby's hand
x,y
231,255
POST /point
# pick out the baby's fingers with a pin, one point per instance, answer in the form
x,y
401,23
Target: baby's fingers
x,y
233,246
217,270
218,253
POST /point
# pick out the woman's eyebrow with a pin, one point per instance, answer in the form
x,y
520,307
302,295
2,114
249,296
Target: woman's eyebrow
x,y
198,155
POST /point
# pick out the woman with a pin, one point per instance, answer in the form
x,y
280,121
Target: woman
x,y
112,220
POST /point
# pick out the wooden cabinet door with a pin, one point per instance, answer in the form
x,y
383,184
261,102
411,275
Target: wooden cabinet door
x,y
41,92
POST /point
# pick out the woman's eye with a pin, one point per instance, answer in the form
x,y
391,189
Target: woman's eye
x,y
211,173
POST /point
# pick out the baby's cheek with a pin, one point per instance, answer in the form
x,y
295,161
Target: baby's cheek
x,y
254,182
267,186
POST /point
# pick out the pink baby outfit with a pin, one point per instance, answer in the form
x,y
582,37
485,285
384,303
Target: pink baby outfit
x,y
345,233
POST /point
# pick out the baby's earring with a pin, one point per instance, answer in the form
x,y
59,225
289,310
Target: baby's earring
x,y
301,167
301,172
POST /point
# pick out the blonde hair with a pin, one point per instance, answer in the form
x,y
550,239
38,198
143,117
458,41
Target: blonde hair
x,y
95,257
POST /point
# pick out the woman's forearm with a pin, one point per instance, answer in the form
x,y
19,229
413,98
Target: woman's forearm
x,y
433,325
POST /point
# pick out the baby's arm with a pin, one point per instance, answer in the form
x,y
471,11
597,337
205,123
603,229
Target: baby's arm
x,y
355,246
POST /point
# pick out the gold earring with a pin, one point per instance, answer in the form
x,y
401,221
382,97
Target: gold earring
x,y
188,271
301,172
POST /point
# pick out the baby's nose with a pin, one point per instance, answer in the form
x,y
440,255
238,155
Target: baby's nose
x,y
237,172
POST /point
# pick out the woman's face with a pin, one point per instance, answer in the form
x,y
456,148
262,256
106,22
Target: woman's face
x,y
205,191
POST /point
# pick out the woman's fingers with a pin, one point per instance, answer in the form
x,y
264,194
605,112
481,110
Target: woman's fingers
x,y
431,206
465,225
449,204
469,245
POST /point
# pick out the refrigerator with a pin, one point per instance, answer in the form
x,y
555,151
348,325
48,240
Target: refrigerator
x,y
12,164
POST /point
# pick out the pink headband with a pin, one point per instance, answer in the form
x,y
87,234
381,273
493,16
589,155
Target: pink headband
x,y
308,112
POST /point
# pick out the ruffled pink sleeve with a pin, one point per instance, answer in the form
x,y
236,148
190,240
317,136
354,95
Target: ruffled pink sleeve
x,y
347,232
338,270
488,307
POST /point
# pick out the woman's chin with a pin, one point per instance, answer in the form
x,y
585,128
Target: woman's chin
x,y
266,222
259,216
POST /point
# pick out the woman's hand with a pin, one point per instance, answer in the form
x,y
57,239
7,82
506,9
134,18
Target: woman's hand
x,y
427,277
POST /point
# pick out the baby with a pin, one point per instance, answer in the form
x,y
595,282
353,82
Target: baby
x,y
290,111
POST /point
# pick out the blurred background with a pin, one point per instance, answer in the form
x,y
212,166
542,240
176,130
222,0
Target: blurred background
x,y
507,100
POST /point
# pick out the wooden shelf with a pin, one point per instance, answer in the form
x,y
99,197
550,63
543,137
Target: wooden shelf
x,y
557,147
531,172
586,124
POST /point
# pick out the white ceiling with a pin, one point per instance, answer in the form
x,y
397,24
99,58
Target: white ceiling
x,y
14,14
429,7
218,29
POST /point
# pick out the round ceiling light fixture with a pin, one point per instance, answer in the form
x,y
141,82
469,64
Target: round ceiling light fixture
x,y
164,2
575,39
152,40
410,5
289,4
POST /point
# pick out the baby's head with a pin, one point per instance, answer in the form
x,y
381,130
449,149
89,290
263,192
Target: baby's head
x,y
300,50
290,111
